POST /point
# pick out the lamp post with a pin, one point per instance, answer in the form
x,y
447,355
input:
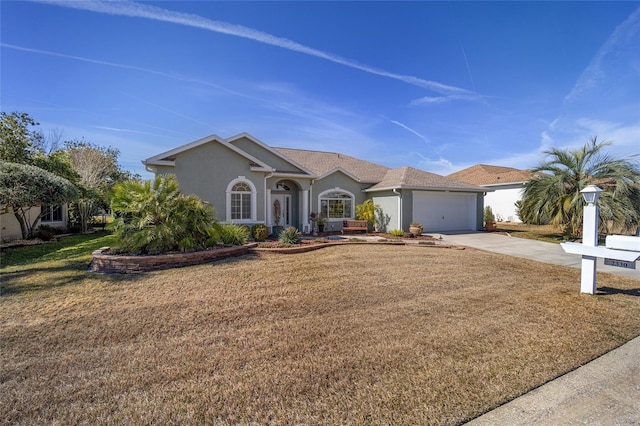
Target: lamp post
x,y
589,238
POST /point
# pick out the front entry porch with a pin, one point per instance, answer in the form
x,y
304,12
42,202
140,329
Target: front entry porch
x,y
287,204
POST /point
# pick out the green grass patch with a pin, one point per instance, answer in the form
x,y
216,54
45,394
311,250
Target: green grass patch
x,y
72,250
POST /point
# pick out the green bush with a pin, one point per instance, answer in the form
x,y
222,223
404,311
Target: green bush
x,y
154,217
45,234
233,235
397,232
259,232
290,237
488,215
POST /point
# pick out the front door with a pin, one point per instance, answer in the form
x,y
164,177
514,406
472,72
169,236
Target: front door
x,y
281,209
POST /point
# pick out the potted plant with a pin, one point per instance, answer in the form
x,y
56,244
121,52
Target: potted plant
x,y
415,229
318,222
489,219
321,221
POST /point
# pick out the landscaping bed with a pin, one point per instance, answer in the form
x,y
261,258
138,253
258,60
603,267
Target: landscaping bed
x,y
105,262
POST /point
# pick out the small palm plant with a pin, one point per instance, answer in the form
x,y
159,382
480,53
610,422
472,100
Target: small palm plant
x,y
155,217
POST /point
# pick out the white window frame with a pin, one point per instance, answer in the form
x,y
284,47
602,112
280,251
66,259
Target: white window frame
x,y
254,207
43,217
321,196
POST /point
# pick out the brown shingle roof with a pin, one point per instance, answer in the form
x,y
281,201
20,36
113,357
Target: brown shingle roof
x,y
320,162
410,178
483,174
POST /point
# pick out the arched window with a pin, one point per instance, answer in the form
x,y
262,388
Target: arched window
x,y
336,204
241,201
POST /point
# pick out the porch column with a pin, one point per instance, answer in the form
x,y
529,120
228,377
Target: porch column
x,y
305,210
268,218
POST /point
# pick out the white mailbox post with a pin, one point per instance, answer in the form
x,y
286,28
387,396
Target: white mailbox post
x,y
619,250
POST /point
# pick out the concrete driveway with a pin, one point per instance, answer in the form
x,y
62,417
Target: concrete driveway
x,y
529,249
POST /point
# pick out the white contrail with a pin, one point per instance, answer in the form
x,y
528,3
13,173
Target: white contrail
x,y
409,129
626,32
132,9
445,99
117,65
468,68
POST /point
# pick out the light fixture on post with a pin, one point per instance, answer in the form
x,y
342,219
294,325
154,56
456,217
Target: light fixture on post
x,y
589,238
591,194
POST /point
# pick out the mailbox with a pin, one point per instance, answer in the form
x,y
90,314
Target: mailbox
x,y
623,242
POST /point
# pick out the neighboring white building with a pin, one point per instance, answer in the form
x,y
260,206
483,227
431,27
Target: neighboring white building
x,y
507,184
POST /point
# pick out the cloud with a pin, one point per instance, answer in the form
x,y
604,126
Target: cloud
x,y
620,134
440,166
621,39
139,10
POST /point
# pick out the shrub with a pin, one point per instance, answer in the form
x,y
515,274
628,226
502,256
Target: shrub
x,y
45,234
367,211
488,214
290,237
397,232
234,235
154,217
259,232
373,214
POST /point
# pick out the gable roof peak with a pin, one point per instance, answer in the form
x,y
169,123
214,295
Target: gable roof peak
x,y
486,174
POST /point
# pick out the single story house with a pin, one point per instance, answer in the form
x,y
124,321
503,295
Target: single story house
x,y
507,184
249,182
54,217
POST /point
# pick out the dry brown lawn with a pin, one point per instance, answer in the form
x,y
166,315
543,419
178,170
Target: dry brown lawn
x,y
346,335
547,233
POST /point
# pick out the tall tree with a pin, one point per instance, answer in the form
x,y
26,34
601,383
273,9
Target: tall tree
x,y
553,196
22,187
18,143
97,168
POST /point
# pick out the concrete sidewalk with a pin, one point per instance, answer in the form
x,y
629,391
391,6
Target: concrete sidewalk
x,y
529,249
605,391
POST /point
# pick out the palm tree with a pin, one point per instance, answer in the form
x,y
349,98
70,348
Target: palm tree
x,y
553,194
156,217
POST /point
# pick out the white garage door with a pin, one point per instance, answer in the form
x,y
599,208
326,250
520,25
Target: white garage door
x,y
444,211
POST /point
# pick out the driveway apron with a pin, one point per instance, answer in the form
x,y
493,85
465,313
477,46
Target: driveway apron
x,y
528,249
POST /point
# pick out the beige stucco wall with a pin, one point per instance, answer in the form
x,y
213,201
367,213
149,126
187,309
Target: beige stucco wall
x,y
340,181
10,228
389,202
207,170
265,155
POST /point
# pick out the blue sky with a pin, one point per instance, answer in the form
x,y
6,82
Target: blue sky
x,y
435,85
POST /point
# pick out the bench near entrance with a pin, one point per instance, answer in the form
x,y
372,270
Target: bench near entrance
x,y
355,225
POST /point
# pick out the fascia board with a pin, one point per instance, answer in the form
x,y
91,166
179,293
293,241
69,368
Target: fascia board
x,y
295,175
157,159
504,183
422,188
159,163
